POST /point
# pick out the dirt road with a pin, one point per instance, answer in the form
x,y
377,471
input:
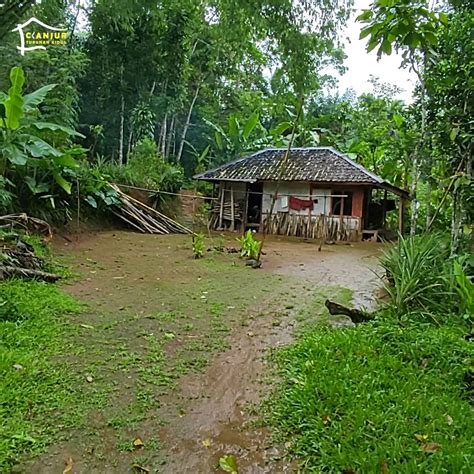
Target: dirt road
x,y
178,346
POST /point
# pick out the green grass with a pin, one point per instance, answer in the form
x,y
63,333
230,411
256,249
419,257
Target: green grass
x,y
354,399
32,388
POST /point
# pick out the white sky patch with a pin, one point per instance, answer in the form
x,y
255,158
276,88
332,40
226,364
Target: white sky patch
x,y
361,65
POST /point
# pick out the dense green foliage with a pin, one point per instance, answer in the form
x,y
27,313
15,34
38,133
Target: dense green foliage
x,y
422,277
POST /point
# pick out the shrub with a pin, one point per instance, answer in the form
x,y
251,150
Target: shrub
x,y
146,169
198,245
415,269
249,246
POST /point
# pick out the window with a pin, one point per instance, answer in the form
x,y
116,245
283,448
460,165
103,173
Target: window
x,y
341,206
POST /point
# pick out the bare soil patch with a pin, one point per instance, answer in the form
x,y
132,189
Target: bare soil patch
x,y
176,347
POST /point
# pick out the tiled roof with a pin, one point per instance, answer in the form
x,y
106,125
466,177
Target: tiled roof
x,y
322,165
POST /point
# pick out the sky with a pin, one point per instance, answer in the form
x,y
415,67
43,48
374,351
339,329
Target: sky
x,y
361,64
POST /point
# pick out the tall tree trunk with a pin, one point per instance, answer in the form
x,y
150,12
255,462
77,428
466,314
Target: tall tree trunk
x,y
163,136
122,118
170,137
129,146
455,221
187,123
428,191
419,151
122,125
414,200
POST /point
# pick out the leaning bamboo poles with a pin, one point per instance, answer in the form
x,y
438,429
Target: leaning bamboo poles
x,y
144,218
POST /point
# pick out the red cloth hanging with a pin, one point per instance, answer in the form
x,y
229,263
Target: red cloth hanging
x,y
299,204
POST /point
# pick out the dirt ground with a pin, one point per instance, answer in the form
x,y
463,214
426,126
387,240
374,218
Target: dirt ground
x,y
177,347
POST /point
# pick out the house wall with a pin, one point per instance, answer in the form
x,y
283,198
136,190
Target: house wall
x,y
317,223
239,190
314,192
300,190
311,223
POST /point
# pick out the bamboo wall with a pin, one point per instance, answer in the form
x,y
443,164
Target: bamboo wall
x,y
327,228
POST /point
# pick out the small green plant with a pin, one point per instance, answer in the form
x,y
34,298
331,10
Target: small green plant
x,y
249,247
465,290
228,463
198,245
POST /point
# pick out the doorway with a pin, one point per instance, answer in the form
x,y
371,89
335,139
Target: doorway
x,y
254,204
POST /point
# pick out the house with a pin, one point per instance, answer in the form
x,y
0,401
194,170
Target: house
x,y
322,194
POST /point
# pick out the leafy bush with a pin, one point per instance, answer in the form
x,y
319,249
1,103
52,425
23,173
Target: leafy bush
x,y
6,195
249,246
198,245
416,270
422,277
94,187
36,173
375,398
465,290
146,169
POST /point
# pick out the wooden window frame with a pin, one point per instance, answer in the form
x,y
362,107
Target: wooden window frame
x,y
341,214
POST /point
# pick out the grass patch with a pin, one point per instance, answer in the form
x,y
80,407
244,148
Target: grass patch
x,y
32,388
378,397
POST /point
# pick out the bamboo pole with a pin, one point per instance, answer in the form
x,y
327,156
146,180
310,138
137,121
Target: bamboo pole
x,y
232,210
246,208
221,210
280,174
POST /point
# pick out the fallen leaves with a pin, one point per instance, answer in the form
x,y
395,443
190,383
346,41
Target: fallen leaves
x,y
421,438
69,465
430,447
206,442
138,443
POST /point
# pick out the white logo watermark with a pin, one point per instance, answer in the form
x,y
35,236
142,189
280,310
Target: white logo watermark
x,y
31,40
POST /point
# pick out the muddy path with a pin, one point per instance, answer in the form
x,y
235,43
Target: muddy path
x,y
178,350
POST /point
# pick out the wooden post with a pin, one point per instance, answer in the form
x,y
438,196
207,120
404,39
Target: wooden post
x,y
232,212
221,210
384,209
310,210
401,215
246,208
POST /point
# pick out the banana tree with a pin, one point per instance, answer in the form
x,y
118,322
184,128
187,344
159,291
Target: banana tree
x,y
237,139
28,156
